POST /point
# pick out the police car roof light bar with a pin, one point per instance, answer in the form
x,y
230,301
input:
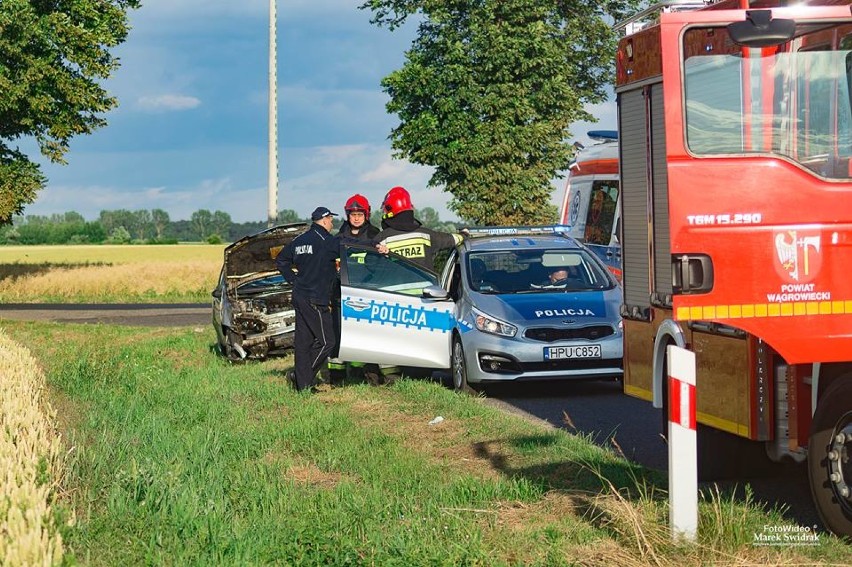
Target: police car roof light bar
x,y
475,231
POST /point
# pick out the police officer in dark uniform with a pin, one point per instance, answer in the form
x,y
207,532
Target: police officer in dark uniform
x,y
308,262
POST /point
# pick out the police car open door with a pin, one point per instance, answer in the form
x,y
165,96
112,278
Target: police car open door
x,y
385,317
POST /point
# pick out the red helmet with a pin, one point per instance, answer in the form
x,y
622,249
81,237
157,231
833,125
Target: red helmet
x,y
357,203
396,201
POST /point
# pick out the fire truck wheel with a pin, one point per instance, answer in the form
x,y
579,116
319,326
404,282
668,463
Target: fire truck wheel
x,y
829,450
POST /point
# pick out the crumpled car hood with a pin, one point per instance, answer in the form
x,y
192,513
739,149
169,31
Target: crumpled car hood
x,y
253,256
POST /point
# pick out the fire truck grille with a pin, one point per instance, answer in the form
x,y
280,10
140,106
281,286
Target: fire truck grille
x,y
551,334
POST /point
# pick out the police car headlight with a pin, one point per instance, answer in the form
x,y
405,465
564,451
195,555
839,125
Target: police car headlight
x,y
488,324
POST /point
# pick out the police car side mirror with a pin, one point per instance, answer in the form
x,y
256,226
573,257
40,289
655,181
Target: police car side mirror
x,y
435,292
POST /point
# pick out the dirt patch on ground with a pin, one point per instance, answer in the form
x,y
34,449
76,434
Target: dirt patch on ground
x,y
552,507
310,474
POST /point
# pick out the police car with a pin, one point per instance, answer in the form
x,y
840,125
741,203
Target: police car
x,y
510,304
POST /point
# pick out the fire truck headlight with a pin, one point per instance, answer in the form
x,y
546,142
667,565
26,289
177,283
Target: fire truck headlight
x,y
488,324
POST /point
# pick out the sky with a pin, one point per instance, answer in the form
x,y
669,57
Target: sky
x,y
191,128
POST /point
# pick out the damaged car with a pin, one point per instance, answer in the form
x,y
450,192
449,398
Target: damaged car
x,y
252,304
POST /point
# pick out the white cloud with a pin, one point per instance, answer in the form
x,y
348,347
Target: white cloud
x,y
167,102
387,171
309,177
197,10
335,154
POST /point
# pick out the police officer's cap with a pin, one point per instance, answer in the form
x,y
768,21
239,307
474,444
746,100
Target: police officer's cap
x,y
321,213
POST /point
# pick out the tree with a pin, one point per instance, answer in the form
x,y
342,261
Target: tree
x,y
54,57
160,218
289,216
201,221
220,224
111,220
488,91
143,224
429,217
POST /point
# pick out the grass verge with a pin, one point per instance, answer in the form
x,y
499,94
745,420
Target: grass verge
x,y
177,457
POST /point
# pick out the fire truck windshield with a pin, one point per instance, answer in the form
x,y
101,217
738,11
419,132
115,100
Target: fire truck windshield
x,y
793,101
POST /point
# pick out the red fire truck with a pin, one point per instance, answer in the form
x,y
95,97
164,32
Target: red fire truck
x,y
735,128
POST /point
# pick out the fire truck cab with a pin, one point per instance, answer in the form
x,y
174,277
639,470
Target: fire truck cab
x,y
735,134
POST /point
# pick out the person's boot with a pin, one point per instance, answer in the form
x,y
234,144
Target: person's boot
x,y
324,375
373,376
390,374
389,379
336,371
290,375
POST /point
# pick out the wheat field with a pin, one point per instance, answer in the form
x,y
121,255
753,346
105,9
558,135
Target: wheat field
x,y
109,274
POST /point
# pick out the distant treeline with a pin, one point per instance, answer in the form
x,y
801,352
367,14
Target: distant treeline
x,y
155,227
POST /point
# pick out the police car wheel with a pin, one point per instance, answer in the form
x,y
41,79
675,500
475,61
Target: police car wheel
x,y
458,366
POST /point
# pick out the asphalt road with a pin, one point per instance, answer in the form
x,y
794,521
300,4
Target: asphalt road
x,y
142,314
596,409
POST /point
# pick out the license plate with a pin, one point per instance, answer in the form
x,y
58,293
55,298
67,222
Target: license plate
x,y
562,352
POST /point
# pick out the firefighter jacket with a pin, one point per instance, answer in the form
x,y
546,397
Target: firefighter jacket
x,y
308,263
366,234
404,235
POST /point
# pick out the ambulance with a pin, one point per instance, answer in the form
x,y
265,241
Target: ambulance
x,y
590,201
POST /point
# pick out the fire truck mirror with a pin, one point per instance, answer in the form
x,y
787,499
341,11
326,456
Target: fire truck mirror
x,y
692,274
760,30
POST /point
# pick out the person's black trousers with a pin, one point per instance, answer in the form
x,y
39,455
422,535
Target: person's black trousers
x,y
314,341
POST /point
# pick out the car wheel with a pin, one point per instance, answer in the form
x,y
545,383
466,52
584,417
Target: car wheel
x,y
459,367
829,465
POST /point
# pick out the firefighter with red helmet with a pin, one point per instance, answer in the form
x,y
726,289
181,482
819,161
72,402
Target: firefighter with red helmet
x,y
356,227
405,235
357,224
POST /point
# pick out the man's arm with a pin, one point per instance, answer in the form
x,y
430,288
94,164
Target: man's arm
x,y
443,240
284,263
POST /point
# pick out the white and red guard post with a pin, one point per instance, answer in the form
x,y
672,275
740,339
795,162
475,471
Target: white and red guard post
x,y
683,450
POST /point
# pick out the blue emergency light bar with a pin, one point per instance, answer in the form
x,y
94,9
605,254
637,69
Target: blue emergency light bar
x,y
515,230
603,135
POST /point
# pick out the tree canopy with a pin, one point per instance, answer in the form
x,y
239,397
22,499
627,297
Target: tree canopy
x,y
488,91
53,57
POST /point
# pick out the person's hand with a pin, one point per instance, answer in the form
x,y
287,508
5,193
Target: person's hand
x,y
382,249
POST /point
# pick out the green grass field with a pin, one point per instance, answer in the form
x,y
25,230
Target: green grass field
x,y
174,456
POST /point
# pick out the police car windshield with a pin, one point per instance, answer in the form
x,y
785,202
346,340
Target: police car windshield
x,y
535,271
